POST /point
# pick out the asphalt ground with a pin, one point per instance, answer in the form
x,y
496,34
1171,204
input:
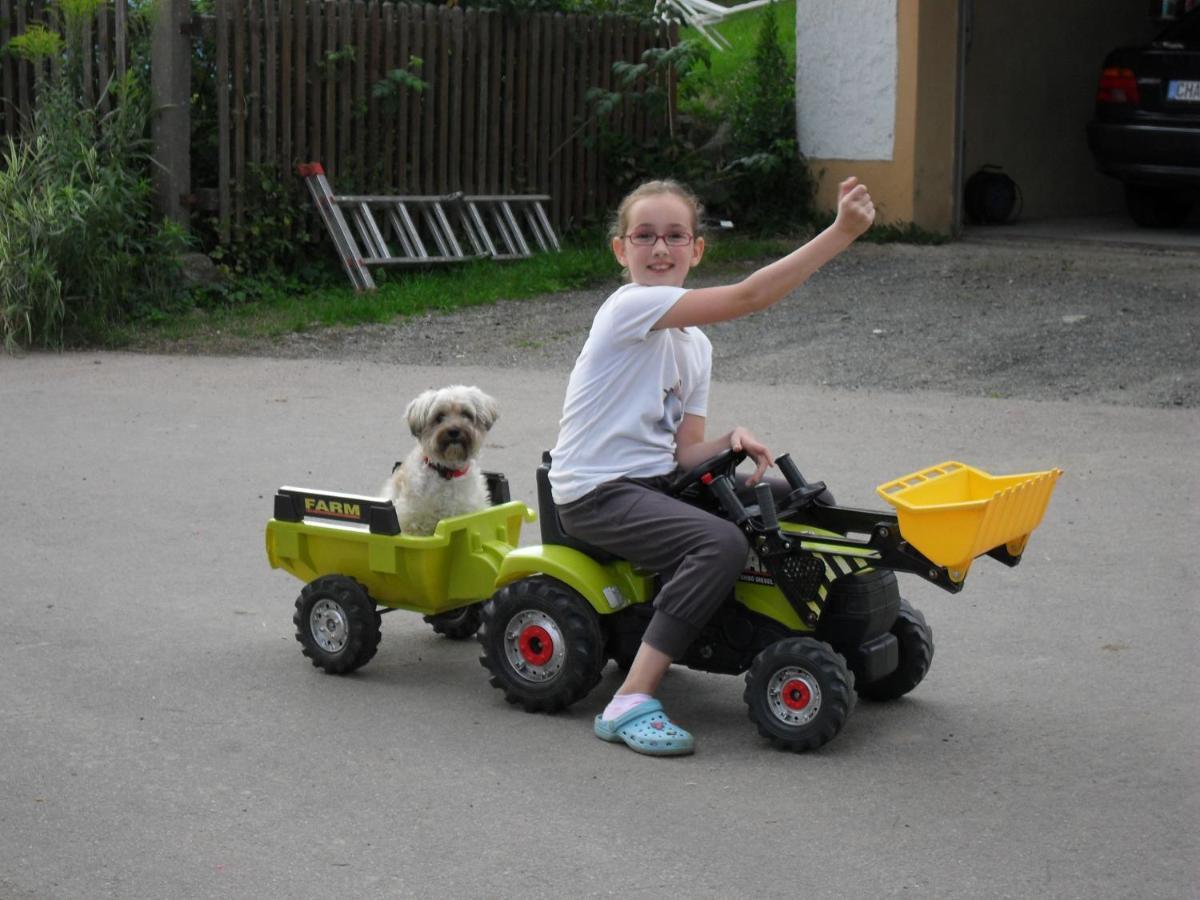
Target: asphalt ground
x,y
162,736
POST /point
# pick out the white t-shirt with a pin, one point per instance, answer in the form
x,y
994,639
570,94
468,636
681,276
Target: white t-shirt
x,y
628,393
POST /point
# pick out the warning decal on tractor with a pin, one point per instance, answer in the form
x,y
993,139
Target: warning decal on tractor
x,y
755,571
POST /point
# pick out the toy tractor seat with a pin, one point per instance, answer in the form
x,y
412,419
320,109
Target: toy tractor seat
x,y
552,530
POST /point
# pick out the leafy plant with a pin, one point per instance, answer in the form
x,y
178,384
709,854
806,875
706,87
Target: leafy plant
x,y
395,82
658,67
37,43
273,237
330,63
767,180
734,144
518,8
669,151
31,295
79,247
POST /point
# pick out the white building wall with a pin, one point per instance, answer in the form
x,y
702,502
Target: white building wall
x,y
846,78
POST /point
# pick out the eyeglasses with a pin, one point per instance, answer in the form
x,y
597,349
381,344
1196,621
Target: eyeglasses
x,y
649,238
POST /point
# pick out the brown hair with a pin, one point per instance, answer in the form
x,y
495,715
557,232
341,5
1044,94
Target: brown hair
x,y
652,189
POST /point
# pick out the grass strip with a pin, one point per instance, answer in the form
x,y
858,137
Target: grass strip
x,y
271,307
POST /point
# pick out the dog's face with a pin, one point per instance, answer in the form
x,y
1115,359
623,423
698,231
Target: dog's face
x,y
451,422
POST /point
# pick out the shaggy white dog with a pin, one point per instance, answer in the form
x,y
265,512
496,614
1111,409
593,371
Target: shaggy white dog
x,y
441,476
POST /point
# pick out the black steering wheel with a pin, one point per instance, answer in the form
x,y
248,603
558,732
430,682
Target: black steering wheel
x,y
724,463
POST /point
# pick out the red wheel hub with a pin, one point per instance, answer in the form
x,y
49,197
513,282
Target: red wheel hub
x,y
796,694
536,645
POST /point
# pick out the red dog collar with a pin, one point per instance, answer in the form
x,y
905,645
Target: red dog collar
x,y
446,472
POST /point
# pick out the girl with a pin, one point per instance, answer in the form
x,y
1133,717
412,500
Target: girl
x,y
635,412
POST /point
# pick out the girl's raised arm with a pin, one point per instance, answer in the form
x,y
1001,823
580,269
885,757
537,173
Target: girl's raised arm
x,y
770,284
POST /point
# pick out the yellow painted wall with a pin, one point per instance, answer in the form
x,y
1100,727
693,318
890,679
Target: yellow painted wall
x,y
934,133
917,184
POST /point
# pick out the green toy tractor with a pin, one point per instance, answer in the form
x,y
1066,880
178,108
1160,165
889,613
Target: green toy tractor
x,y
816,619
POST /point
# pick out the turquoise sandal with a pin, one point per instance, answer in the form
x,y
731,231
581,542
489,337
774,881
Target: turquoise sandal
x,y
646,729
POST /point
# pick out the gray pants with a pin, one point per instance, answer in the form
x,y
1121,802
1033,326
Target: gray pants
x,y
698,555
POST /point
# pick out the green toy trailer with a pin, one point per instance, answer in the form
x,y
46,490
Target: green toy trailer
x,y
350,553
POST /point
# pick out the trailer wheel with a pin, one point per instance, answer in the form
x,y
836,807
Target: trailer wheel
x,y
799,693
337,624
916,654
458,624
542,643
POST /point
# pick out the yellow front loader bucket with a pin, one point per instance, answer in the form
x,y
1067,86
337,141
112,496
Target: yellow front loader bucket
x,y
953,512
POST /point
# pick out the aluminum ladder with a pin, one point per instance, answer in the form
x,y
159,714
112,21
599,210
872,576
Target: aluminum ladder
x,y
374,230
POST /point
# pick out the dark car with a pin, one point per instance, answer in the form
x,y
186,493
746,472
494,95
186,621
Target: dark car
x,y
1147,127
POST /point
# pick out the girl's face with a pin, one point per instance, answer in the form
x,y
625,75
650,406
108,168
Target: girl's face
x,y
668,218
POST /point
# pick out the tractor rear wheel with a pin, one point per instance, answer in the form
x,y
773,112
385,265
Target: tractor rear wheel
x,y
542,643
916,654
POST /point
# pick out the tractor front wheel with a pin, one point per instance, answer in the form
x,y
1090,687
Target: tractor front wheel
x,y
799,693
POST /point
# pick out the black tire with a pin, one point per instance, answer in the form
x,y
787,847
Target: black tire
x,y
458,624
542,643
1153,207
916,655
337,624
799,693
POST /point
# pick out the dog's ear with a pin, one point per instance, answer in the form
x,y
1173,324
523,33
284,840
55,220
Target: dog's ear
x,y
418,411
487,410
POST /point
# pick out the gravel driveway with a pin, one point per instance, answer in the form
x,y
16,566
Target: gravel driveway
x,y
1037,320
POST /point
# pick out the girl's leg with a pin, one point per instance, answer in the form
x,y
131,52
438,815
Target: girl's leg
x,y
699,555
647,671
641,683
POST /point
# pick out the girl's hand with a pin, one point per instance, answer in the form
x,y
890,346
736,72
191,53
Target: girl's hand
x,y
855,212
742,439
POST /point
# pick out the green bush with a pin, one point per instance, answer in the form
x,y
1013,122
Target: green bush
x,y
763,179
31,296
733,141
669,150
79,247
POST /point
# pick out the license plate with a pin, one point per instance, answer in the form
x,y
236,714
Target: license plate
x,y
1186,91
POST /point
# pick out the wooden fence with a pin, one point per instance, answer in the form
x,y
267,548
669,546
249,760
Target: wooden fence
x,y
504,109
107,34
